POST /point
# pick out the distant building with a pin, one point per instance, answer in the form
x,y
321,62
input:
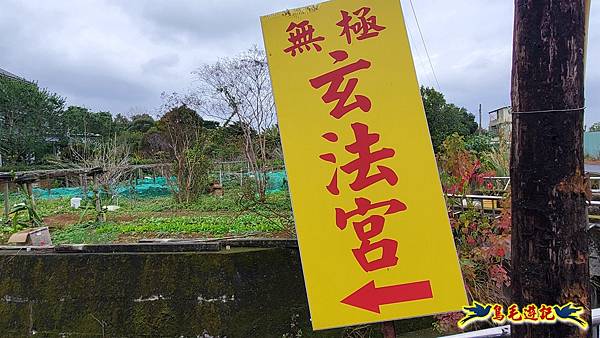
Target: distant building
x,y
501,123
591,144
9,75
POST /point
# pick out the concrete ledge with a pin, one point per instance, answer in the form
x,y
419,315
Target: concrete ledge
x,y
242,292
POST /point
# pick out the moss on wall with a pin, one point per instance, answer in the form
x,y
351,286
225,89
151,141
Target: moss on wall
x,y
237,293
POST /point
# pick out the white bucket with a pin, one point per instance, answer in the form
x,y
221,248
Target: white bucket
x,y
75,202
112,207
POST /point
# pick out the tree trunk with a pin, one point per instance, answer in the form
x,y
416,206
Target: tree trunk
x,y
548,183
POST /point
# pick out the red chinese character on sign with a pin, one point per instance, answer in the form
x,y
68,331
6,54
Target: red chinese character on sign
x,y
335,79
513,313
547,313
362,165
530,312
387,247
498,316
365,27
301,37
364,206
332,187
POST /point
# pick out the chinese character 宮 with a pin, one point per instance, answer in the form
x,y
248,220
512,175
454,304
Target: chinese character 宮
x,y
368,228
302,37
335,79
363,28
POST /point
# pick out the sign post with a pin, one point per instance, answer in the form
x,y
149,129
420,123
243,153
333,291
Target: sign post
x,y
372,225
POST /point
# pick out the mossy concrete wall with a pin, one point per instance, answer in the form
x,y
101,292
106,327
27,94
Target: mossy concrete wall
x,y
132,291
234,293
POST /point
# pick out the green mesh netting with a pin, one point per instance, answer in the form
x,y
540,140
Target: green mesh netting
x,y
146,187
149,187
277,181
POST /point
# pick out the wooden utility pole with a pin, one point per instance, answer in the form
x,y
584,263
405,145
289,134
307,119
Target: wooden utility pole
x,y
548,183
480,124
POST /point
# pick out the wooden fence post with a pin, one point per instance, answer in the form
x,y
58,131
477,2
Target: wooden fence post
x,y
6,201
100,215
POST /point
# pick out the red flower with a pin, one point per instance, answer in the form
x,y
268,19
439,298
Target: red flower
x,y
500,252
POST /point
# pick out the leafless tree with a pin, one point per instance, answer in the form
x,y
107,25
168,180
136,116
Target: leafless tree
x,y
239,89
112,156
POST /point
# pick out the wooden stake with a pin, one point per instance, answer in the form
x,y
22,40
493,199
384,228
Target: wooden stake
x,y
29,187
100,218
84,185
388,330
6,201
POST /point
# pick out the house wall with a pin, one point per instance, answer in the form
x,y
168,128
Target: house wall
x,y
591,144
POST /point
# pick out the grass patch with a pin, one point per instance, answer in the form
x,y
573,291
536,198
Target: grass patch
x,y
213,225
135,205
83,234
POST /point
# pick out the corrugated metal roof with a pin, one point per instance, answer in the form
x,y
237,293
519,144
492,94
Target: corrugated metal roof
x,y
10,75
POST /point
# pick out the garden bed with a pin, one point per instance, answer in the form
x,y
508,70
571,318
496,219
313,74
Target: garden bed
x,y
161,217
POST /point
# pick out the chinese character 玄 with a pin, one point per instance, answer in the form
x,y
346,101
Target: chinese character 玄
x,y
335,79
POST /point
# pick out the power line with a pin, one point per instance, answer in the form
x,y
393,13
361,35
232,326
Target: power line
x,y
424,45
420,61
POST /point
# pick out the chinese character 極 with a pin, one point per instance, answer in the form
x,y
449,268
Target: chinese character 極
x,y
364,28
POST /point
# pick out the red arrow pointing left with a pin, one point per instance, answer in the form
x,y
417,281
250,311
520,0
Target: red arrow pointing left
x,y
370,298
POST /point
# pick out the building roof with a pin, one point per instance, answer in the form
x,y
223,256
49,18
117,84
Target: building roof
x,y
10,75
501,108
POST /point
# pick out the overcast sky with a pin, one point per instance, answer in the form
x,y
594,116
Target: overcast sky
x,y
119,55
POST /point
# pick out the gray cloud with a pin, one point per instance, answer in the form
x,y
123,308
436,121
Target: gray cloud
x,y
114,55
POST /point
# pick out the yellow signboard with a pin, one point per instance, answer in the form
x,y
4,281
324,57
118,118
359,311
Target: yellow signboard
x,y
372,226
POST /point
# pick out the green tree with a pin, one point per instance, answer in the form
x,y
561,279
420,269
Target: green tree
x,y
29,120
81,123
479,144
141,123
187,142
120,123
595,127
445,118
